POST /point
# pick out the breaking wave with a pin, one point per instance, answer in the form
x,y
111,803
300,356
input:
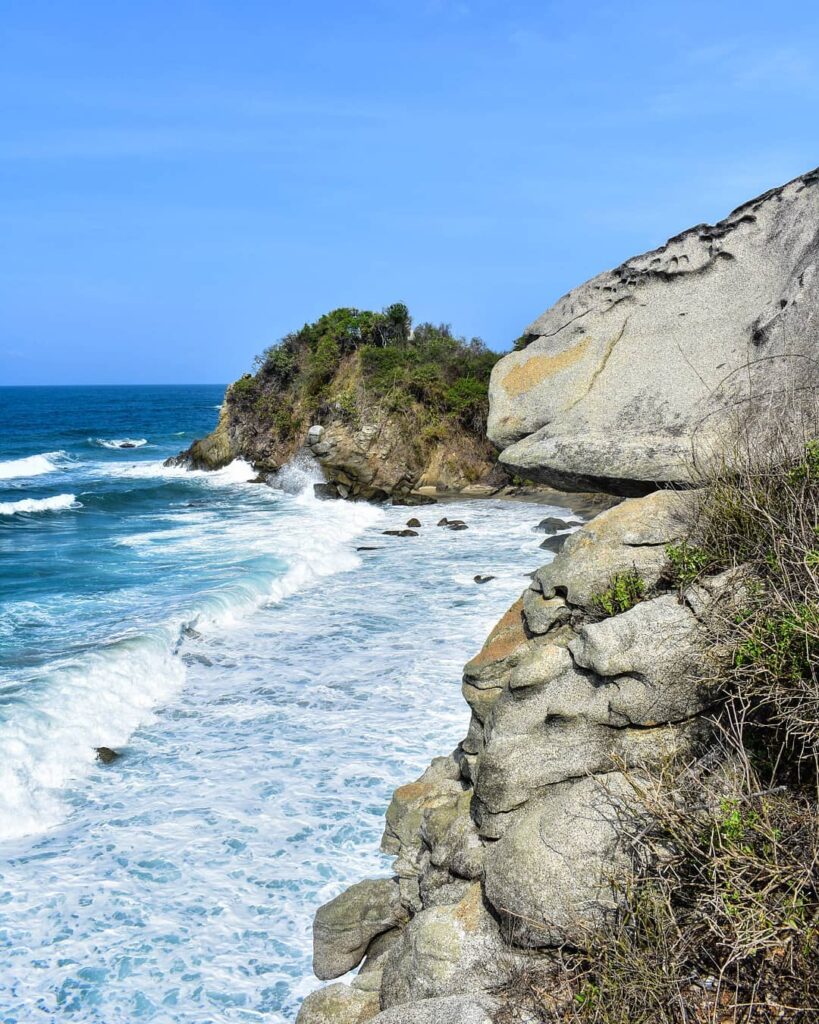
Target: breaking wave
x,y
57,503
33,465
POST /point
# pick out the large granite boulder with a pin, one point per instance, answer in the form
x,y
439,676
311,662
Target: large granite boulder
x,y
443,951
471,1009
631,536
630,373
345,927
550,877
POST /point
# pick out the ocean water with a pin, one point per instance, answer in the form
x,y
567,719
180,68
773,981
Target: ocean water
x,y
267,684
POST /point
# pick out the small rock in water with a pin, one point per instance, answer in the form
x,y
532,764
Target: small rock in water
x,y
368,549
554,544
106,755
325,491
399,533
201,659
127,444
551,524
415,499
456,524
443,522
483,579
413,522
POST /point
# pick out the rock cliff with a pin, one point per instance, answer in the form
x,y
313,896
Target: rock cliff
x,y
630,377
513,846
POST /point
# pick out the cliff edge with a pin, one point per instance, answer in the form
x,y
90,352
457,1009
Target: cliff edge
x,y
629,379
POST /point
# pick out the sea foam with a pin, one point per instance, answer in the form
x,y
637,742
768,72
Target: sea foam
x,y
56,503
33,465
117,443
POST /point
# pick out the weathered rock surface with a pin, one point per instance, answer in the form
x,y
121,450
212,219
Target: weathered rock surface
x,y
471,1009
338,1004
550,876
632,535
442,952
629,373
517,842
345,927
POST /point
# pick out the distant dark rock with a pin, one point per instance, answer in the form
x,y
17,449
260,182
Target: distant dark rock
x,y
483,579
551,524
325,491
368,549
443,522
555,543
413,523
107,755
456,524
415,499
399,533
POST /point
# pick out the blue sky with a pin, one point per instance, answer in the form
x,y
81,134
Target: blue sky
x,y
181,183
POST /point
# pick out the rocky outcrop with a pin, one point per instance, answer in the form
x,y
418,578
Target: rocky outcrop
x,y
374,459
383,408
632,375
516,843
377,459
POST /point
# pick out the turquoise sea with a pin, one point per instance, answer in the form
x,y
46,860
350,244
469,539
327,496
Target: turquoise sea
x,y
266,683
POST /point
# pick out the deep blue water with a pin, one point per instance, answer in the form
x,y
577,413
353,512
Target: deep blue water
x,y
266,684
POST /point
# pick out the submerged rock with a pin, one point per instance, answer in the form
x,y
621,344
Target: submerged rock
x,y
551,523
399,533
483,579
107,755
415,499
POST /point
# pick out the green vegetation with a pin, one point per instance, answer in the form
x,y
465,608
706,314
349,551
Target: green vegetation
x,y
686,563
350,360
625,590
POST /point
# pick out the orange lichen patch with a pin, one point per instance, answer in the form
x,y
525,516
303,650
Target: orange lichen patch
x,y
507,636
414,791
468,911
536,369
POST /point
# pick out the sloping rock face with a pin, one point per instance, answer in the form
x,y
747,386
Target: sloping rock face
x,y
514,845
372,459
634,372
